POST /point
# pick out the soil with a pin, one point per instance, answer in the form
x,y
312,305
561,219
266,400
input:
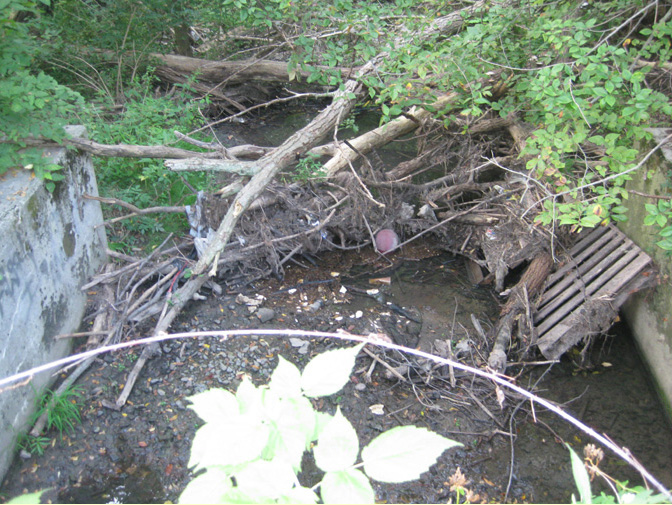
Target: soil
x,y
140,454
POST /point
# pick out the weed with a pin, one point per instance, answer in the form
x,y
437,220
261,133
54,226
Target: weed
x,y
309,168
31,444
62,409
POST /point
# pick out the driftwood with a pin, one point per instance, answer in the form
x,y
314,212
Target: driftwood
x,y
517,309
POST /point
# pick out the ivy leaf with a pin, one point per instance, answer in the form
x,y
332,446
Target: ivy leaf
x,y
338,445
328,372
346,486
403,453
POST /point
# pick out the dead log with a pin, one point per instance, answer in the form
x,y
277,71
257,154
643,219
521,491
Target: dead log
x,y
229,72
348,152
518,308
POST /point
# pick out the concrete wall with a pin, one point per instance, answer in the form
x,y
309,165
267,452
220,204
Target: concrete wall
x,y
649,314
48,249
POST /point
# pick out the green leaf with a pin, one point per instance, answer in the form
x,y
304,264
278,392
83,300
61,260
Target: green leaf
x,y
328,372
250,399
666,232
322,419
214,405
209,487
29,497
286,379
266,478
403,453
228,442
581,478
665,244
299,494
347,486
294,424
338,445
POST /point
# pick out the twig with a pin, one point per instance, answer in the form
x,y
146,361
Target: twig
x,y
80,334
386,365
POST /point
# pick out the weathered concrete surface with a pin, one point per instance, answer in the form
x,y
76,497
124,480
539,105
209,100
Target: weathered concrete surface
x,y
649,313
49,248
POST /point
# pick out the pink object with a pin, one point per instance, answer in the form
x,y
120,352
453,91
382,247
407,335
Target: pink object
x,y
386,240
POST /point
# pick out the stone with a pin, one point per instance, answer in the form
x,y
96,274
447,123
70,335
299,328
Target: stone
x,y
264,314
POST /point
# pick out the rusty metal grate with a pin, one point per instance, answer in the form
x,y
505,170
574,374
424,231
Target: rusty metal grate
x,y
583,296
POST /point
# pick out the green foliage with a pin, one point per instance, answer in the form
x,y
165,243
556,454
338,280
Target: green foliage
x,y
660,215
579,92
28,498
635,494
62,413
62,409
32,103
32,444
309,167
252,443
146,119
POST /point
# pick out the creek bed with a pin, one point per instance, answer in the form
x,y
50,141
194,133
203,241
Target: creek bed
x,y
140,454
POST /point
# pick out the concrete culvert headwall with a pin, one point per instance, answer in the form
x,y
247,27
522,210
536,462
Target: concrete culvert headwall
x,y
51,244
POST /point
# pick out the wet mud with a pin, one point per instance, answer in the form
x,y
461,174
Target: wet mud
x,y
140,454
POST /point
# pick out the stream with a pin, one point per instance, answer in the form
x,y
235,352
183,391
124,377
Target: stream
x,y
141,454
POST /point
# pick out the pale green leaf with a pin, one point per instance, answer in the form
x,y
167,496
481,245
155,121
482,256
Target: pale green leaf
x,y
214,404
328,372
299,494
265,478
338,445
347,486
286,379
295,425
581,478
29,497
209,487
250,399
228,442
403,453
322,419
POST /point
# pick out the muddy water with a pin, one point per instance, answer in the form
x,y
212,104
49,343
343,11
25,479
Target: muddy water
x,y
611,392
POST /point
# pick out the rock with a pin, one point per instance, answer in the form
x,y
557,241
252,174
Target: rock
x,y
25,454
386,240
264,314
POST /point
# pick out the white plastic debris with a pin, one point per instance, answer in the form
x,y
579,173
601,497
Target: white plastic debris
x,y
378,409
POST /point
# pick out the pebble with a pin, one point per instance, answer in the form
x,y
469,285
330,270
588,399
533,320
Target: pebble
x,y
360,386
25,454
265,314
180,405
161,392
